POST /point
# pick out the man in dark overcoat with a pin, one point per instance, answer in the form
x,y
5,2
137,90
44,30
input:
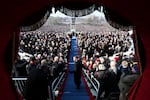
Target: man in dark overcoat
x,y
37,84
77,71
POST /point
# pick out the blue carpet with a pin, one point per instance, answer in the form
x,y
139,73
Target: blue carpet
x,y
70,91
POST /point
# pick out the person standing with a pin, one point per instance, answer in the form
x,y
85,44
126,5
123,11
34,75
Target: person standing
x,y
37,84
32,65
111,81
20,66
77,71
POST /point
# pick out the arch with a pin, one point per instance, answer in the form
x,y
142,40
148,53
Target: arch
x,y
126,8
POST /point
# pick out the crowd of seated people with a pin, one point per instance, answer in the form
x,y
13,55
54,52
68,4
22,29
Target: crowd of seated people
x,y
50,52
96,50
52,46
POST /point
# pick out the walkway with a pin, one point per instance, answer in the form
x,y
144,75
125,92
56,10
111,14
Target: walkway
x,y
70,92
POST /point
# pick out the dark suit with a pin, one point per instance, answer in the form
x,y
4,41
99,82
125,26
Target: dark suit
x,y
101,77
77,73
110,82
21,68
37,86
126,82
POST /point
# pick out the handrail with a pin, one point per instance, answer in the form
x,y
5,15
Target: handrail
x,y
18,79
90,79
19,83
54,87
98,84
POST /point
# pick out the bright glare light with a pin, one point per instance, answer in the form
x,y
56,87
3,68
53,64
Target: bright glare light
x,y
53,10
130,32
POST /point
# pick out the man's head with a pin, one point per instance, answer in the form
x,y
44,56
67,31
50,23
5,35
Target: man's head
x,y
124,64
32,60
44,65
75,58
112,64
56,59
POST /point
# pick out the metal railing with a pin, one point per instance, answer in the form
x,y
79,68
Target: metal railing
x,y
93,81
20,83
56,84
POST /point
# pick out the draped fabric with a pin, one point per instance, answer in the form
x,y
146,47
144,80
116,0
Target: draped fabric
x,y
113,18
78,12
38,19
117,21
38,23
134,12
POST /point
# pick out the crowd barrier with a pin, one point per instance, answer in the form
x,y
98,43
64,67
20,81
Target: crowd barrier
x,y
56,85
53,89
92,81
94,84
